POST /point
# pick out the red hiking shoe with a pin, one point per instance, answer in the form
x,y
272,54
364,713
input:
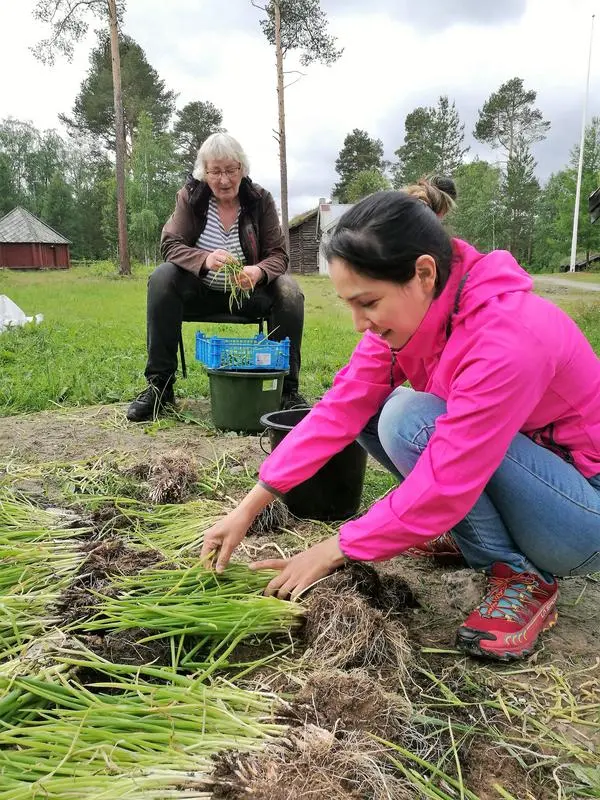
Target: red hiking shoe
x,y
444,550
516,608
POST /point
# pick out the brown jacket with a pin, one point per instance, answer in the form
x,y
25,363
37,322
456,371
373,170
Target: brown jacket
x,y
261,237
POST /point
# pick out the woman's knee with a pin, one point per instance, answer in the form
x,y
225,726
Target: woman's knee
x,y
164,279
408,419
286,292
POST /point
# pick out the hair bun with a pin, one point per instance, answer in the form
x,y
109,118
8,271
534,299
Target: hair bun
x,y
437,192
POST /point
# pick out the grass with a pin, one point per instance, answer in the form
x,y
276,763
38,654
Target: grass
x,y
91,346
577,277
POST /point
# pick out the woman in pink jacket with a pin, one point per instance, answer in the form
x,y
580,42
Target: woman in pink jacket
x,y
497,441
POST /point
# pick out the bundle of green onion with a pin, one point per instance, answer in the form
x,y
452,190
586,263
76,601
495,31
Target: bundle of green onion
x,y
21,520
22,618
32,575
126,737
195,602
172,529
28,567
231,271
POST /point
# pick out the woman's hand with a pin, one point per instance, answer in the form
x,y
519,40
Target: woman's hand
x,y
217,259
300,571
224,536
249,277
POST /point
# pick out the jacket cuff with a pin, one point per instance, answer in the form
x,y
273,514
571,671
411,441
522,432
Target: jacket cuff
x,y
269,488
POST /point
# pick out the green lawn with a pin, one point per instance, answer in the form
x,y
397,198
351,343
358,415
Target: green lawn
x,y
91,346
578,277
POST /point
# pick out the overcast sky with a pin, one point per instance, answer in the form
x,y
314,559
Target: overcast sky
x,y
398,54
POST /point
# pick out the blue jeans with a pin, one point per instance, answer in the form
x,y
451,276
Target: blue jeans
x,y
537,512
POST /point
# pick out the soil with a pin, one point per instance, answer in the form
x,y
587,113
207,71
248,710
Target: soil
x,y
105,559
81,433
446,595
348,701
125,647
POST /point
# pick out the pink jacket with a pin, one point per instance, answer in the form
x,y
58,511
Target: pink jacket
x,y
513,362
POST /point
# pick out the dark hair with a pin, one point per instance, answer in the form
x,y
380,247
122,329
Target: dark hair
x,y
445,184
438,192
383,235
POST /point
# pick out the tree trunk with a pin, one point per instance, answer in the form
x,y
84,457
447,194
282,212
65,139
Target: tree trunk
x,y
282,144
124,265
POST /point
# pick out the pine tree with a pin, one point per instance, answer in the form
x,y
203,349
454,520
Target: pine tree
x,y
433,143
360,153
294,25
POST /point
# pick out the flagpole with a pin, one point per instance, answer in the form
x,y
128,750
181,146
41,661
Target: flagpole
x,y
580,169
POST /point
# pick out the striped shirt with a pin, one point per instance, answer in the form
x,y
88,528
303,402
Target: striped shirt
x,y
215,237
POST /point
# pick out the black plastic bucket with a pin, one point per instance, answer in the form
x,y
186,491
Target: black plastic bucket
x,y
334,492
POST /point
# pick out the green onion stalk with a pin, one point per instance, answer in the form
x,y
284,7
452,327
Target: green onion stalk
x,y
22,521
162,735
32,566
99,476
16,701
231,271
23,617
172,529
195,602
32,574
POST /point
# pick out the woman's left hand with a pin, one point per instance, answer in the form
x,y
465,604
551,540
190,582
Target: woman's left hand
x,y
300,571
249,277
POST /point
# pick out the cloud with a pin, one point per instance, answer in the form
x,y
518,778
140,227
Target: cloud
x,y
398,54
436,15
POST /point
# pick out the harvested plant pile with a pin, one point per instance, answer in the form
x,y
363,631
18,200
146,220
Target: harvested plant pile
x,y
127,670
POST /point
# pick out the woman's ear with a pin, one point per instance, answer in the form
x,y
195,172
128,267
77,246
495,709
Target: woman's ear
x,y
426,271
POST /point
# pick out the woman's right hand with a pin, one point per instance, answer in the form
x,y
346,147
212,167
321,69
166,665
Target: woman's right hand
x,y
224,536
217,259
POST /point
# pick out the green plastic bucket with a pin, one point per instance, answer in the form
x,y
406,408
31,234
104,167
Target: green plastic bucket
x,y
239,399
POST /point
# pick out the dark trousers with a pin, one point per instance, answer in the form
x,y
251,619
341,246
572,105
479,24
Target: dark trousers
x,y
176,295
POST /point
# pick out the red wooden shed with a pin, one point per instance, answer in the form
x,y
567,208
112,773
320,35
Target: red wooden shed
x,y
28,243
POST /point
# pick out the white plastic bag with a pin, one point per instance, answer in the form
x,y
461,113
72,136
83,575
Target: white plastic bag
x,y
11,315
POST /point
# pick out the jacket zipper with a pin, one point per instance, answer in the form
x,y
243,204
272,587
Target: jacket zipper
x,y
392,365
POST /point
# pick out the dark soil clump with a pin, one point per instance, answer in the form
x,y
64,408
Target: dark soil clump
x,y
124,647
337,700
113,557
388,593
105,559
343,631
107,518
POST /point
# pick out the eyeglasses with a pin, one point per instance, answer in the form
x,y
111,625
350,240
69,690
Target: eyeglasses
x,y
230,172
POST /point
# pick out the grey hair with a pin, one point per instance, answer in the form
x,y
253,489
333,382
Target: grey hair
x,y
217,146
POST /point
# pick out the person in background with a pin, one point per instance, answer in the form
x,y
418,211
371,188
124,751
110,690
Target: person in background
x,y
497,441
220,214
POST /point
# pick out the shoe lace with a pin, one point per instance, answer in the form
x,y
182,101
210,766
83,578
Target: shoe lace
x,y
509,598
152,392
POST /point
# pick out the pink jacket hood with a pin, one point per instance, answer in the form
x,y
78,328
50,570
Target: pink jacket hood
x,y
503,359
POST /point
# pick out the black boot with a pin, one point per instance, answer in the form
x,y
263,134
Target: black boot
x,y
155,398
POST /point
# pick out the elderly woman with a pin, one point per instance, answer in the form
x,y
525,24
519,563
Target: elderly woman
x,y
220,213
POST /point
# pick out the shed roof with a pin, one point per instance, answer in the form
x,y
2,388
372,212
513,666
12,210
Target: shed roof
x,y
300,218
19,226
330,213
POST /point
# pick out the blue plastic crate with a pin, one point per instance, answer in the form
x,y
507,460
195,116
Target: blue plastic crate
x,y
227,352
